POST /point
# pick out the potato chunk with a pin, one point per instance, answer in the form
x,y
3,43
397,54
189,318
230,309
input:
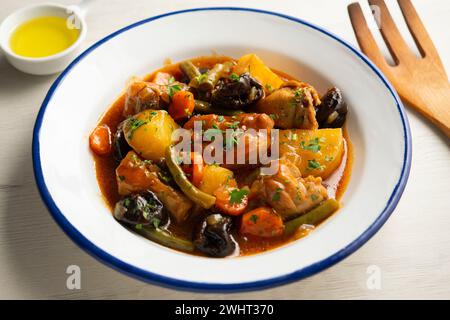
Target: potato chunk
x,y
214,177
149,133
255,66
320,150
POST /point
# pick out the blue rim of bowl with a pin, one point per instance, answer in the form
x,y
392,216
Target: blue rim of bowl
x,y
154,278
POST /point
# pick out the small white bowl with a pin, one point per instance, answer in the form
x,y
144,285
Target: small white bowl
x,y
64,166
45,65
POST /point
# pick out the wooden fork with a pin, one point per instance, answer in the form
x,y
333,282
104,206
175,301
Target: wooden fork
x,y
420,82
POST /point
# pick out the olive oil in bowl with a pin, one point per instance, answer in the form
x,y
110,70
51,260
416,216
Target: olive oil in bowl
x,y
42,37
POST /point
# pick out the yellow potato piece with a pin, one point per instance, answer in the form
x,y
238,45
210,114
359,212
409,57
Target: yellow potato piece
x,y
255,66
149,133
320,150
214,177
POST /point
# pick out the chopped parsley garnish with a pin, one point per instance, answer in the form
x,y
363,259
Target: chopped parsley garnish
x,y
126,202
298,93
221,119
298,195
234,77
277,194
328,158
173,88
133,124
201,77
313,164
211,133
135,159
156,222
237,195
148,209
312,146
233,139
122,178
164,177
314,197
138,226
254,218
273,116
294,137
269,87
233,125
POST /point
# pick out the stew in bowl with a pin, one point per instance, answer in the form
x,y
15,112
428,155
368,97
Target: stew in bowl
x,y
81,188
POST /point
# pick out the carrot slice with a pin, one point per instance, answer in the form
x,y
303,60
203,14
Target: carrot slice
x,y
182,105
262,222
197,169
231,200
100,140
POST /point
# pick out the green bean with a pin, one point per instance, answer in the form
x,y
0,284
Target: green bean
x,y
191,71
165,238
204,107
209,81
203,199
313,217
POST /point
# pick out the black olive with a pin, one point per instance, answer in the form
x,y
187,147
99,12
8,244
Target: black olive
x,y
121,146
332,112
213,236
237,92
142,209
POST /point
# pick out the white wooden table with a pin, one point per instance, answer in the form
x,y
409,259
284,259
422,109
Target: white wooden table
x,y
412,250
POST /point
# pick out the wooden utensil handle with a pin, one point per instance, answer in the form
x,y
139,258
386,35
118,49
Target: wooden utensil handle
x,y
433,103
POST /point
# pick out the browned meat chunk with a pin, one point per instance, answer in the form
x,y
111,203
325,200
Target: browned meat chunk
x,y
142,95
292,106
287,192
239,144
243,121
135,175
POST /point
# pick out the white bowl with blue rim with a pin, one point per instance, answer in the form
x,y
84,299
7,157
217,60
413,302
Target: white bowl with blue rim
x,y
64,166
